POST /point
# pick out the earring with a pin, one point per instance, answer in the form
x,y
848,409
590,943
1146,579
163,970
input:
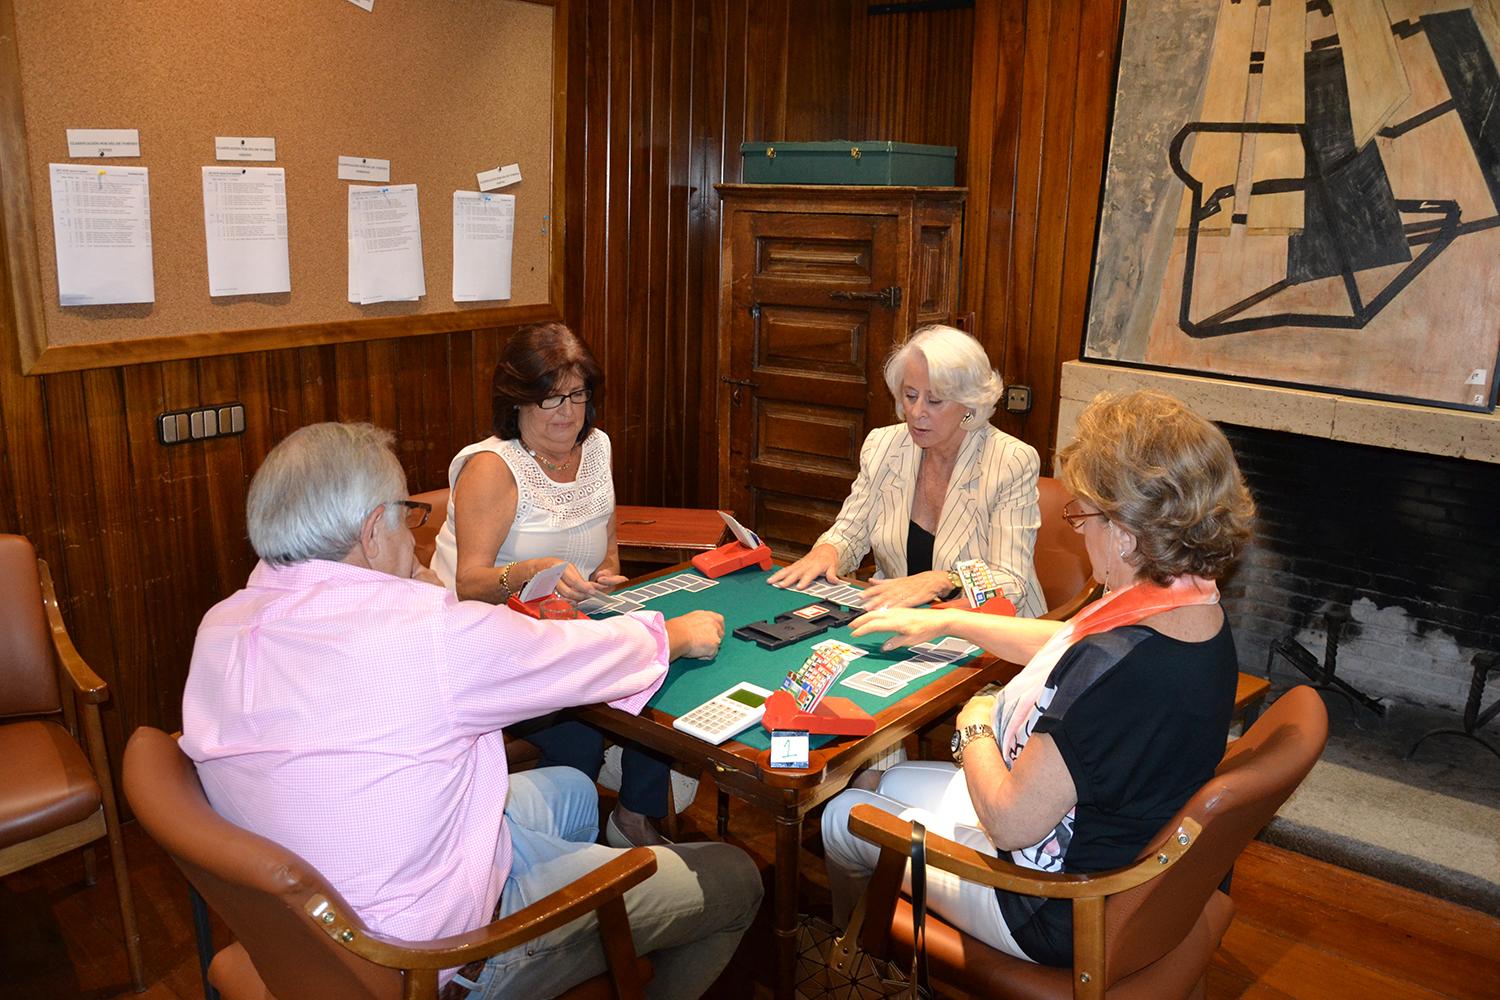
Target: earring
x,y
1122,555
967,418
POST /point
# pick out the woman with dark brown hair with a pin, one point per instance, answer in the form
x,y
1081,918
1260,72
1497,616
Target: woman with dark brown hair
x,y
540,492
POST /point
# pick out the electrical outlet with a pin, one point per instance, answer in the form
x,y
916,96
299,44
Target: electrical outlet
x,y
200,423
1018,399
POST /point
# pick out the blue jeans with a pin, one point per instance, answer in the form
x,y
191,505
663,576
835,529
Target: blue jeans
x,y
645,777
689,916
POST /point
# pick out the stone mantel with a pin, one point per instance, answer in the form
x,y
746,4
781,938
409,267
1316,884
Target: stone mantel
x,y
1427,429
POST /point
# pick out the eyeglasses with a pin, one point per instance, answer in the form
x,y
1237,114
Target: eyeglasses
x,y
578,397
1075,518
416,511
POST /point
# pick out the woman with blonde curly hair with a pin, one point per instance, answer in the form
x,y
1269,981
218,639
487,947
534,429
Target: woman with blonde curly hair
x,y
1119,715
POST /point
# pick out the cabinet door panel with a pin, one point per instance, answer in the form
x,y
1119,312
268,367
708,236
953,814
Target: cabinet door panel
x,y
816,289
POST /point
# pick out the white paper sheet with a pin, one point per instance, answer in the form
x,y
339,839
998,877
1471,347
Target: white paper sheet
x,y
244,222
484,227
385,245
543,583
101,222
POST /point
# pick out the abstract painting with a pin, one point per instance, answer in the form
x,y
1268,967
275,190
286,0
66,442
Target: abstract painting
x,y
1306,192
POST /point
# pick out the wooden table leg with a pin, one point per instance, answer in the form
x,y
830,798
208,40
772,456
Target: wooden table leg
x,y
788,847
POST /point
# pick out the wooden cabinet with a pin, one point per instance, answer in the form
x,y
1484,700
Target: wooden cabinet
x,y
818,282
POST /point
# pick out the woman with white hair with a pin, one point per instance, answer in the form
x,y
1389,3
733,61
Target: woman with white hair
x,y
939,488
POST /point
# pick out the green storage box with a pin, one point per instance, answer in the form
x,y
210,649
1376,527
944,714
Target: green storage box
x,y
848,162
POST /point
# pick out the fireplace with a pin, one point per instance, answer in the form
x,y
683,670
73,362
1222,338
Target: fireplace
x,y
1406,546
1398,537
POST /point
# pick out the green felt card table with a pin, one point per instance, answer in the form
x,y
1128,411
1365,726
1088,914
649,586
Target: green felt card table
x,y
741,767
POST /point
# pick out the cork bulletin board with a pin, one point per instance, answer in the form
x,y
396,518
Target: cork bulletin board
x,y
441,89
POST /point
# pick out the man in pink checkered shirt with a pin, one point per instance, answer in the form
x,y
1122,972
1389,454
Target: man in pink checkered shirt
x,y
344,707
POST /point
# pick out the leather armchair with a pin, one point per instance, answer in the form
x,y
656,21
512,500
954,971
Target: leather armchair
x,y
1145,931
53,797
1061,559
298,937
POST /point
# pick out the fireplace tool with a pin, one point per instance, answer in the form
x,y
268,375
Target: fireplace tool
x,y
1484,665
1322,674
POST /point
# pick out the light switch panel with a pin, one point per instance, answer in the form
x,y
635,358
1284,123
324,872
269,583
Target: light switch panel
x,y
200,423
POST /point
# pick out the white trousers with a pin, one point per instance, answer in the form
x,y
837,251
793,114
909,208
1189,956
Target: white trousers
x,y
935,794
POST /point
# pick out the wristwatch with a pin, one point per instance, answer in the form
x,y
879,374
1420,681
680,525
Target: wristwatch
x,y
963,737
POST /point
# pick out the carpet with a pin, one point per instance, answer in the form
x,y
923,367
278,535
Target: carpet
x,y
1431,823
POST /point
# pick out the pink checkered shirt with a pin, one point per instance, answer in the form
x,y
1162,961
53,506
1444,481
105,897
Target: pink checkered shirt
x,y
354,717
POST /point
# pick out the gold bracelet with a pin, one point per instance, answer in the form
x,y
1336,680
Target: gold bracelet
x,y
505,579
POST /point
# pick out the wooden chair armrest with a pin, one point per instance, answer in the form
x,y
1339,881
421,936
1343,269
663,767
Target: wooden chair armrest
x,y
596,889
1091,592
89,685
891,833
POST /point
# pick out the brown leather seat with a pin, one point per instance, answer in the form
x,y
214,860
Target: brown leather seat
x,y
297,937
53,797
1147,931
1061,559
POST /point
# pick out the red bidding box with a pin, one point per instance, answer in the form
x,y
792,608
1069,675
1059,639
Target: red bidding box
x,y
833,716
731,556
551,607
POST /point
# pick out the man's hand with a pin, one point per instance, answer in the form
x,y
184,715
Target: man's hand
x,y
978,710
906,591
822,561
696,634
910,625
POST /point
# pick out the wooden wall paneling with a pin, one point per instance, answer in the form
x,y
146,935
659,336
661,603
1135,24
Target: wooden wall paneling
x,y
162,565
1041,330
819,60
995,147
1099,47
1026,206
654,336
459,425
82,591
352,387
225,480
120,539
382,362
679,390
766,71
188,528
487,344
254,380
718,76
415,424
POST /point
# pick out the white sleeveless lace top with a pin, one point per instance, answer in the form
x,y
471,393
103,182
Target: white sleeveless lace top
x,y
567,520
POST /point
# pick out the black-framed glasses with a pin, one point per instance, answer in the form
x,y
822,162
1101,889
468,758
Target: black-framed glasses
x,y
577,397
1075,518
416,511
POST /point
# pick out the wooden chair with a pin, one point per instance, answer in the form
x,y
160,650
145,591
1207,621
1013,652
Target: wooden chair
x,y
53,798
1147,930
1061,559
298,937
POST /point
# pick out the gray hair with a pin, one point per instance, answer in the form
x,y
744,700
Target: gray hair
x,y
312,494
958,367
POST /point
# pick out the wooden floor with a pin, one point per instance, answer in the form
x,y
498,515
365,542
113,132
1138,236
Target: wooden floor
x,y
1303,929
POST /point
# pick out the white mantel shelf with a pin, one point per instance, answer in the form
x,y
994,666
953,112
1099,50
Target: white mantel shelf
x,y
1426,429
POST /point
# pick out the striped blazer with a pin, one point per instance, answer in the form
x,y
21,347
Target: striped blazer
x,y
989,513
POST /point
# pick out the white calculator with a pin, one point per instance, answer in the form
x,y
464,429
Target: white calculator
x,y
723,715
